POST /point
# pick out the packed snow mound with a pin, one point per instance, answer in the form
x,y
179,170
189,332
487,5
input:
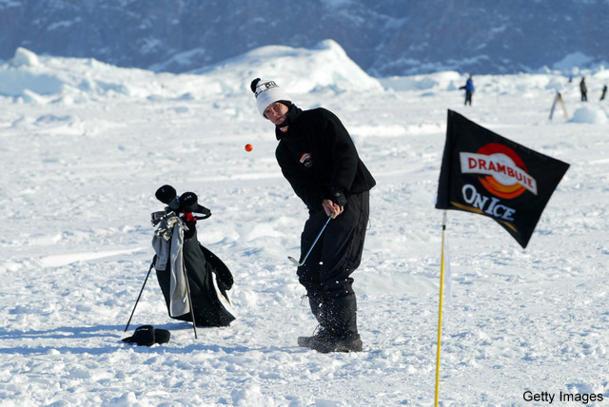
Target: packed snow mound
x,y
30,77
448,80
41,79
573,61
497,84
24,57
589,115
297,70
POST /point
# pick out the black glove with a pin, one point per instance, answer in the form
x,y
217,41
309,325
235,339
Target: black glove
x,y
338,198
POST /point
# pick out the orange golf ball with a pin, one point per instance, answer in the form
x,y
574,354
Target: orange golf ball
x,y
249,147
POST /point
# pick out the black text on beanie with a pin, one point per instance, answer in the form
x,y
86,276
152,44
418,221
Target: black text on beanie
x,y
267,93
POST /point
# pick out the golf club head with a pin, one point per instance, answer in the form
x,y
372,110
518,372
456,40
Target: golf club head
x,y
294,261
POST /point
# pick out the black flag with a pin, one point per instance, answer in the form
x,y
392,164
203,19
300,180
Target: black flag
x,y
490,175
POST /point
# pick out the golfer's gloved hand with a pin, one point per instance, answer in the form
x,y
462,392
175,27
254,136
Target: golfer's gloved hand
x,y
338,198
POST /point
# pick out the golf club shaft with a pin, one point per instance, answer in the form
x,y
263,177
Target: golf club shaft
x,y
315,241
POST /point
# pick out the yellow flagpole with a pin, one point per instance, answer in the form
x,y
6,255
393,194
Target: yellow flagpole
x,y
440,303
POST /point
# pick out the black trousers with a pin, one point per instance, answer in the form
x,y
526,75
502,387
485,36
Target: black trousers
x,y
338,252
468,98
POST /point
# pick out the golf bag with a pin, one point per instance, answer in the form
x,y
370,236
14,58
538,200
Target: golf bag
x,y
194,281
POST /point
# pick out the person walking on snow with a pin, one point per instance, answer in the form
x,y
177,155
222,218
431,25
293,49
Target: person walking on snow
x,y
604,92
469,90
583,89
318,158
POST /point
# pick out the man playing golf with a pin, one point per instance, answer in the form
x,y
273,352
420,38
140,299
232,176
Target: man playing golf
x,y
318,158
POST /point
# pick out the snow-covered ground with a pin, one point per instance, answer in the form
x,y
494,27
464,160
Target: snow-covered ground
x,y
84,145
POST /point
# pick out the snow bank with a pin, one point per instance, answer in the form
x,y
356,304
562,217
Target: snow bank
x,y
37,79
572,61
298,70
324,67
590,115
24,57
16,82
497,84
448,80
33,78
179,61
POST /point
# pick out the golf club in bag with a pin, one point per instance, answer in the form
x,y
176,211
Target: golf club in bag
x,y
193,280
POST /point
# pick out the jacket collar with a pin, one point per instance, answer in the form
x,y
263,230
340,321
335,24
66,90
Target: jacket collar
x,y
294,113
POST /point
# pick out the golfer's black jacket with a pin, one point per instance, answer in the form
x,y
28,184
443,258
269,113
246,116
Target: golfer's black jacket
x,y
319,159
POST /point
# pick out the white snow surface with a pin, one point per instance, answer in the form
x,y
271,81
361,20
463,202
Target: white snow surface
x,y
84,145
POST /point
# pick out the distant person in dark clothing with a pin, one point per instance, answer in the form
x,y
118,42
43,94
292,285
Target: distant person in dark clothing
x,y
604,92
583,89
469,90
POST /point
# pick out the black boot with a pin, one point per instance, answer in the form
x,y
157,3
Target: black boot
x,y
315,303
340,321
319,335
317,308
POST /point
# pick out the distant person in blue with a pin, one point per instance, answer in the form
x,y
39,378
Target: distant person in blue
x,y
469,90
583,89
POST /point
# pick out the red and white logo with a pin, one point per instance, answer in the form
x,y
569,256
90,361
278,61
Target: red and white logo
x,y
505,173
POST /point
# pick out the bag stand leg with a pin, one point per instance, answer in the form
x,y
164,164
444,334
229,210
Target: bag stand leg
x,y
192,308
140,295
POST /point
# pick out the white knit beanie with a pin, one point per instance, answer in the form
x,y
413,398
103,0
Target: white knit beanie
x,y
267,92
